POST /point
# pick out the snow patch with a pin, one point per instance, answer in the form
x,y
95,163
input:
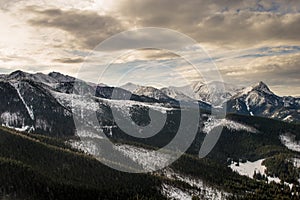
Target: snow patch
x,y
29,109
248,168
87,146
21,129
289,141
9,118
150,160
172,192
203,190
247,105
296,162
212,123
288,118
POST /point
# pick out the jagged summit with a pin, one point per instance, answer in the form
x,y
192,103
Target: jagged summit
x,y
262,87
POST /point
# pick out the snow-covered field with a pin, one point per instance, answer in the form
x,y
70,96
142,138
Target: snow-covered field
x,y
249,168
212,122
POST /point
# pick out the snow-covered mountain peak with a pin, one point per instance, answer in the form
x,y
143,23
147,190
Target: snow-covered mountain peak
x,y
262,87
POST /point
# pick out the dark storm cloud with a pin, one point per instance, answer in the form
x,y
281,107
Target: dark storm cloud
x,y
231,23
87,27
69,60
220,22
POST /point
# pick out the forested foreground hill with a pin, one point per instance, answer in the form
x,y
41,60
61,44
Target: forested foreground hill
x,y
37,167
33,166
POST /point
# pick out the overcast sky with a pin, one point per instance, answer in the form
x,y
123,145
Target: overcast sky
x,y
248,40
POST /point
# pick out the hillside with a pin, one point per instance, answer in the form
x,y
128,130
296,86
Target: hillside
x,y
58,171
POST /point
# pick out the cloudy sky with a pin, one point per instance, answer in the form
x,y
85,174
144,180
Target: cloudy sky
x,y
246,40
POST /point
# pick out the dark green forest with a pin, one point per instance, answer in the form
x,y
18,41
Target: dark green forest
x,y
34,166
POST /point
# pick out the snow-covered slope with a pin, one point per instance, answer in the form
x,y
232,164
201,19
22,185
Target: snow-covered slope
x,y
153,93
214,92
212,123
174,93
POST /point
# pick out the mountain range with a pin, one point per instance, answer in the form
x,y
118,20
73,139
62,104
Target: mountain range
x,y
255,100
41,102
256,156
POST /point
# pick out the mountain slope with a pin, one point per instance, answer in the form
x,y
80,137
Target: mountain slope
x,y
259,100
203,92
60,173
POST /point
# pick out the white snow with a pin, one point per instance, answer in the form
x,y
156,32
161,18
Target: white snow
x,y
247,105
87,134
75,101
289,141
21,129
150,160
172,192
296,162
175,94
212,122
43,124
248,168
9,118
87,146
87,103
29,109
150,92
245,91
288,118
202,189
126,104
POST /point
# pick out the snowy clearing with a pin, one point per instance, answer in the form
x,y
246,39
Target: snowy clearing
x,y
249,168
